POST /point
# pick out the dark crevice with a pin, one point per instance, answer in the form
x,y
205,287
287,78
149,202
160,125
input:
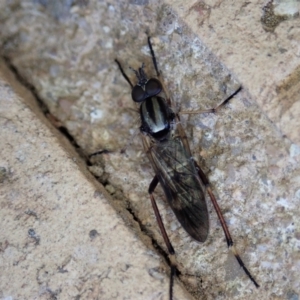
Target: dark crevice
x,y
158,248
26,84
66,133
43,107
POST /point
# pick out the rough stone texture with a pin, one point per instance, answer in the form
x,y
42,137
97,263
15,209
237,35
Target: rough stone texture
x,y
60,237
67,55
259,41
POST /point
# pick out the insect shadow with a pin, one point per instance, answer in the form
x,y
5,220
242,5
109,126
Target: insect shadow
x,y
167,148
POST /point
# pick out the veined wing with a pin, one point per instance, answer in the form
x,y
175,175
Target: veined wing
x,y
185,193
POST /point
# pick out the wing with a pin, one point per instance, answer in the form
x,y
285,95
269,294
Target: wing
x,y
185,193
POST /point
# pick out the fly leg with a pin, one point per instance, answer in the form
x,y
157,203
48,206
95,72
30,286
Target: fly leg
x,y
123,73
171,251
205,181
229,240
212,110
99,152
153,56
158,73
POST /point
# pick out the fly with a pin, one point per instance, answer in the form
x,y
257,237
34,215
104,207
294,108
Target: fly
x,y
183,181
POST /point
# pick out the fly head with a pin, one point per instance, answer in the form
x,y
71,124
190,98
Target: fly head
x,y
145,88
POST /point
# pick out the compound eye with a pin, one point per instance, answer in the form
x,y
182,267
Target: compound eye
x,y
153,87
138,94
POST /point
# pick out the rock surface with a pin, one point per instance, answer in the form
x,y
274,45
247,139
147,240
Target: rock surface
x,y
205,51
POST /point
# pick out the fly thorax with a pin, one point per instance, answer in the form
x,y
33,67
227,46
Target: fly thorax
x,y
155,117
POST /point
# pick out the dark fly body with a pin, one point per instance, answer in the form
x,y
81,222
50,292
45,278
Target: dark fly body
x,y
167,148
